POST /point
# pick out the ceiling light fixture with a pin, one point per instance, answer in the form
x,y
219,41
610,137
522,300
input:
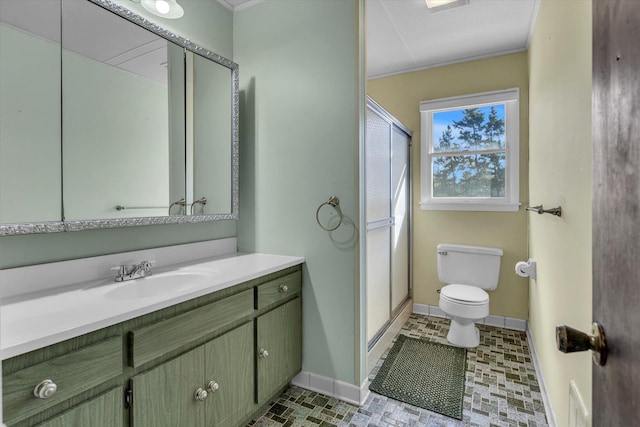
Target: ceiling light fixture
x,y
440,5
169,9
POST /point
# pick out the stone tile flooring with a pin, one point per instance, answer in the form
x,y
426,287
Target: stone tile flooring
x,y
501,389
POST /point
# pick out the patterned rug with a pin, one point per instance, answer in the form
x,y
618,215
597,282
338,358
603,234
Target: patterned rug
x,y
425,374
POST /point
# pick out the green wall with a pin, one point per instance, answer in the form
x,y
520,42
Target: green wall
x,y
126,147
29,128
209,24
299,84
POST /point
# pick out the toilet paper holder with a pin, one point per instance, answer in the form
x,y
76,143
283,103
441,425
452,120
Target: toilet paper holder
x,y
526,268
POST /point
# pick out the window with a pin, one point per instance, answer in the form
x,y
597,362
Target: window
x,y
469,157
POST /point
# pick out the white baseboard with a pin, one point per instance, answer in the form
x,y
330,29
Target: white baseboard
x,y
333,388
491,320
546,399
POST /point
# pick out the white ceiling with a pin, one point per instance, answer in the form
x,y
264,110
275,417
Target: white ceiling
x,y
236,5
92,32
403,35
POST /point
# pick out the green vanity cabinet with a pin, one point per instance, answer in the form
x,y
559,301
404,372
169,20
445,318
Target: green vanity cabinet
x,y
58,379
209,361
279,348
209,386
105,410
229,372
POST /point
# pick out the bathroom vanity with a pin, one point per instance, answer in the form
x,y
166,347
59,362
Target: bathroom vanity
x,y
208,354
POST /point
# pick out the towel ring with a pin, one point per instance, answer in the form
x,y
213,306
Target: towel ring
x,y
201,201
180,203
335,203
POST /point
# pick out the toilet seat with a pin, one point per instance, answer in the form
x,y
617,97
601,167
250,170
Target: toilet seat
x,y
464,294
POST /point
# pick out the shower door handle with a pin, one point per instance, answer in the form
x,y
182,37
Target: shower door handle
x,y
381,223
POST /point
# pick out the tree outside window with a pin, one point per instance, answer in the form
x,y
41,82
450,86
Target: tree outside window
x,y
470,152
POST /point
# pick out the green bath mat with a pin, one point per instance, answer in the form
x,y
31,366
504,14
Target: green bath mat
x,y
425,374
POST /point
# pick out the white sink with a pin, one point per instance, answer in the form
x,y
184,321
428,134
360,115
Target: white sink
x,y
158,284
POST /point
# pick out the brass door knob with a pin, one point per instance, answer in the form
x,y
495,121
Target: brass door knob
x,y
570,340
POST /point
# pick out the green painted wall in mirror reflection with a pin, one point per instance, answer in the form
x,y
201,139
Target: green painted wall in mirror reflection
x,y
116,142
30,128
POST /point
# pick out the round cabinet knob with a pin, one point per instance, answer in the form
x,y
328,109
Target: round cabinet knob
x,y
263,353
45,389
201,394
213,386
283,288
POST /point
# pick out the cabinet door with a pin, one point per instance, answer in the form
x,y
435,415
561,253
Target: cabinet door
x,y
280,335
229,364
106,410
165,396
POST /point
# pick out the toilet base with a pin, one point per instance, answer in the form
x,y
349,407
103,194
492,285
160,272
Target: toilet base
x,y
463,333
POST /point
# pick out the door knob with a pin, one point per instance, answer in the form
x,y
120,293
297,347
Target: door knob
x,y
263,354
570,340
201,395
213,386
45,389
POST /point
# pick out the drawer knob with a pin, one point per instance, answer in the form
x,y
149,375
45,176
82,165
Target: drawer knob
x,y
213,386
283,288
45,389
201,394
263,353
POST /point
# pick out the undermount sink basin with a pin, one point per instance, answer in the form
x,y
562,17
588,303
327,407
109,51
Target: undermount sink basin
x,y
156,285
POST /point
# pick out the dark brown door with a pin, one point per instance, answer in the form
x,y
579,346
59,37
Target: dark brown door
x,y
616,208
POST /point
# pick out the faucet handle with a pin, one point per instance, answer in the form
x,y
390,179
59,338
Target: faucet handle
x,y
146,266
122,271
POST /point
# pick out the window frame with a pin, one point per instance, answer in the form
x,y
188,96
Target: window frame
x,y
510,203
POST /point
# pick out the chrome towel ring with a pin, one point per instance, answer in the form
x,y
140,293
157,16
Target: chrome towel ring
x,y
201,201
182,203
334,202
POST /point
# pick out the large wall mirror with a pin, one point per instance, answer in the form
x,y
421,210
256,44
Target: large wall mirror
x,y
110,121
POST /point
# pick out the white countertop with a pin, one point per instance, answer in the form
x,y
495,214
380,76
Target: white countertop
x,y
41,319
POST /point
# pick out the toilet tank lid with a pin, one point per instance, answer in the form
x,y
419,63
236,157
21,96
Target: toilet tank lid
x,y
449,247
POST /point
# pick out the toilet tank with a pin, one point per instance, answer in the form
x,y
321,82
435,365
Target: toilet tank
x,y
469,265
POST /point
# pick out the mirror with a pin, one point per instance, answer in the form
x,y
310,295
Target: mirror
x,y
148,122
30,179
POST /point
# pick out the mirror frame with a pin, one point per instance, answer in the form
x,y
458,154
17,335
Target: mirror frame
x,y
80,225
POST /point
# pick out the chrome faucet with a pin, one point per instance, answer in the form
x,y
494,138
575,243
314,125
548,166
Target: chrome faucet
x,y
135,271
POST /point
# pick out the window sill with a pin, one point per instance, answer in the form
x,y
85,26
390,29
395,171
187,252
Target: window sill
x,y
470,206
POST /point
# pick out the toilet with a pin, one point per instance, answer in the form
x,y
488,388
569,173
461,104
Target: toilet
x,y
468,272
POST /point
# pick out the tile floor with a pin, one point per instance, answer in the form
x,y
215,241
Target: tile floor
x,y
501,389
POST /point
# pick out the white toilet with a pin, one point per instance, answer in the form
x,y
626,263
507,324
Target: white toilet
x,y
467,271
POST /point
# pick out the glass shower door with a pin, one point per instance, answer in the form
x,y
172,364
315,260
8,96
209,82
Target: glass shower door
x,y
387,185
379,221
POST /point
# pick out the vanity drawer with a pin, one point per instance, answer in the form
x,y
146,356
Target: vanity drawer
x,y
279,289
72,373
153,341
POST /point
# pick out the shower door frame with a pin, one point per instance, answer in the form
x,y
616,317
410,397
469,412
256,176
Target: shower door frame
x,y
393,313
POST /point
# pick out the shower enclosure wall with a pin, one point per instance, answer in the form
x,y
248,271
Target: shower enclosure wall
x,y
388,219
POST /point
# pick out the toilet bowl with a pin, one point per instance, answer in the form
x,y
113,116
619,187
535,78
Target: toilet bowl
x,y
467,271
465,305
